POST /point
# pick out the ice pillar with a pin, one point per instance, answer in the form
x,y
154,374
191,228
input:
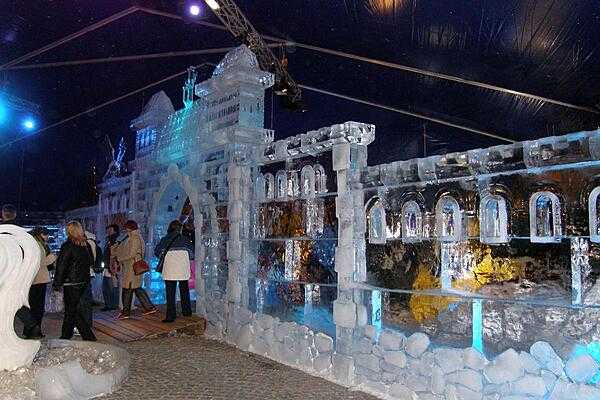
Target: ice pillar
x,y
349,311
237,244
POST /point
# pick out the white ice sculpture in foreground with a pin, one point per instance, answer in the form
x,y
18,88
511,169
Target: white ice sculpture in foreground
x,y
19,263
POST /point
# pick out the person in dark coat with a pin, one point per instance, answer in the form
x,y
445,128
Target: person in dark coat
x,y
110,284
73,275
174,252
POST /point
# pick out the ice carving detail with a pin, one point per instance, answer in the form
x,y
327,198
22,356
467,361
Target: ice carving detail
x,y
493,219
19,263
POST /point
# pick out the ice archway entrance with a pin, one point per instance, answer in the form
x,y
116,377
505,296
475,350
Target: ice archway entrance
x,y
178,199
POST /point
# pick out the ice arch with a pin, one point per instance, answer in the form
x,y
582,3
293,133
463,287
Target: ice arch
x,y
448,220
377,223
282,184
320,179
544,218
19,263
260,190
269,186
307,182
175,188
593,217
412,222
493,219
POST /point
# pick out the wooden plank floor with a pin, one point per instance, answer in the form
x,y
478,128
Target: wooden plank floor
x,y
141,327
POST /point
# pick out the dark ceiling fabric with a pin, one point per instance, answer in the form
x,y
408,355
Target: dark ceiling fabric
x,y
544,47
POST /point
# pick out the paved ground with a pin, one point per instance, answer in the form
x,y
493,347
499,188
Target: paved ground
x,y
195,368
188,367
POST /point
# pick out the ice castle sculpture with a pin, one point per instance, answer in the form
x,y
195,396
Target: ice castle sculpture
x,y
459,276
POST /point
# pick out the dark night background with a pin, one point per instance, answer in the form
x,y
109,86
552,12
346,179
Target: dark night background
x,y
547,48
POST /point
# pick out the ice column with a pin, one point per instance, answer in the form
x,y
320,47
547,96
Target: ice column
x,y
349,311
580,268
239,184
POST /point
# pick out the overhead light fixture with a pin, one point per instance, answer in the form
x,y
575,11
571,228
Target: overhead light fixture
x,y
29,124
212,4
194,10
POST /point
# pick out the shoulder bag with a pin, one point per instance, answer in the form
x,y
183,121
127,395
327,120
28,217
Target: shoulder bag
x,y
141,266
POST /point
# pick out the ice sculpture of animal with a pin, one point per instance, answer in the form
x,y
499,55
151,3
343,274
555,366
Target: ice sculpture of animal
x,y
19,263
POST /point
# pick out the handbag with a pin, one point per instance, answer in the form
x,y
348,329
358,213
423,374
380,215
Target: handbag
x,y
140,267
163,254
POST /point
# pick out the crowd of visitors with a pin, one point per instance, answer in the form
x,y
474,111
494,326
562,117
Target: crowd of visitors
x,y
121,263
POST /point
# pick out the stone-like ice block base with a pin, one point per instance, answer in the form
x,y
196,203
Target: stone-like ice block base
x,y
392,366
69,381
57,372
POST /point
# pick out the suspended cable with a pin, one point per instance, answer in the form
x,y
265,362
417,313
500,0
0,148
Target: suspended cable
x,y
394,65
99,106
70,37
135,57
409,113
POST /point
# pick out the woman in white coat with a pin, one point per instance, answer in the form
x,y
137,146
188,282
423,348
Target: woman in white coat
x,y
174,252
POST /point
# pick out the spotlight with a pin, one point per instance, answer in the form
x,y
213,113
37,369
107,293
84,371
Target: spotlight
x,y
28,124
194,10
212,4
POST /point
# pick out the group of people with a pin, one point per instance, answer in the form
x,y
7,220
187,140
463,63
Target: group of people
x,y
80,256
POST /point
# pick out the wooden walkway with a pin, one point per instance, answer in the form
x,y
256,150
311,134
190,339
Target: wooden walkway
x,y
141,327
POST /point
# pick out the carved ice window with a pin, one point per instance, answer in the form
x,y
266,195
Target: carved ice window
x,y
282,183
412,222
260,188
293,184
269,186
493,220
594,217
320,179
307,178
448,220
544,218
222,187
377,224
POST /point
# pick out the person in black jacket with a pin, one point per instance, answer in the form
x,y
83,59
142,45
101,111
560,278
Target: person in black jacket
x,y
73,275
110,285
174,252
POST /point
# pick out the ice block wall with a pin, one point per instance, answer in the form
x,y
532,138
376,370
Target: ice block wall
x,y
463,276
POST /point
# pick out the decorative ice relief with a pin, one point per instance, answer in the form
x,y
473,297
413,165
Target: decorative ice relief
x,y
282,183
19,263
493,220
544,218
593,216
448,220
307,178
412,222
293,189
269,186
377,224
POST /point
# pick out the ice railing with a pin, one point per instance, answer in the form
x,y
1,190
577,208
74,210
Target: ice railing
x,y
531,156
315,142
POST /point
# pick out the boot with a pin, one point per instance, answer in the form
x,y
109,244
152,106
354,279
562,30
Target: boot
x,y
145,301
127,298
